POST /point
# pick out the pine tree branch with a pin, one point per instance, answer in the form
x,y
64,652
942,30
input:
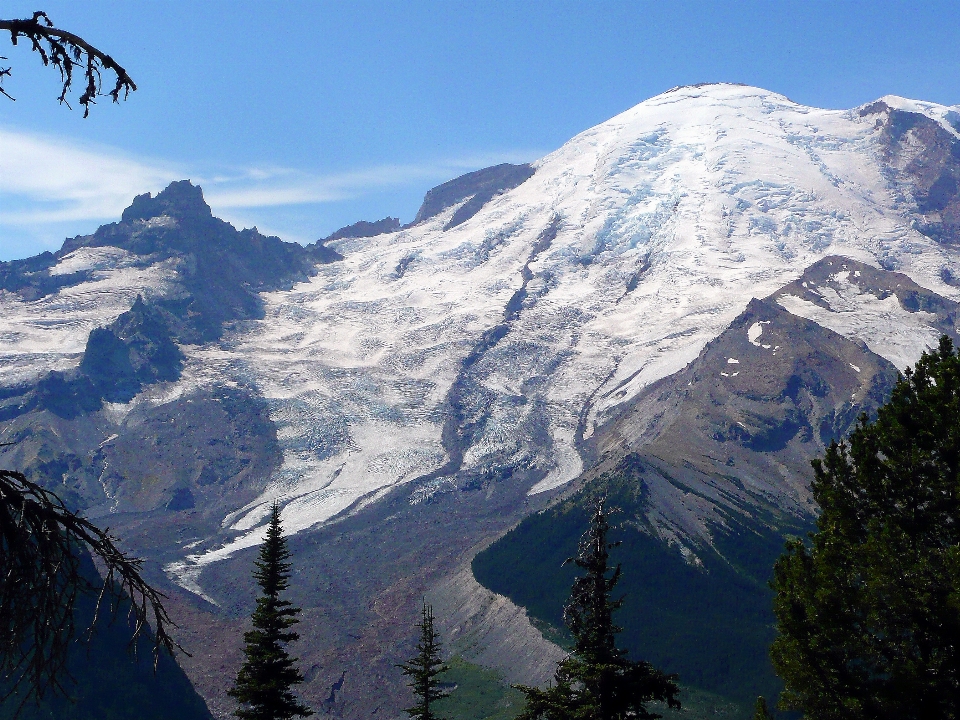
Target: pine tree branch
x,y
41,578
67,51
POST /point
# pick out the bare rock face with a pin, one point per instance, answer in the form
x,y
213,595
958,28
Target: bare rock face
x,y
741,423
474,190
486,628
923,156
364,228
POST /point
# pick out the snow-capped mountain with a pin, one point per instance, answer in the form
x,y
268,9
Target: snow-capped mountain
x,y
520,330
532,327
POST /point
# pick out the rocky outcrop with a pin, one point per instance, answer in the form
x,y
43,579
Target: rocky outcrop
x,y
923,158
364,229
476,188
488,629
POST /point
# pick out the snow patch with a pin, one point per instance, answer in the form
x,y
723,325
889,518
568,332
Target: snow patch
x,y
888,329
89,259
50,333
186,574
568,464
755,331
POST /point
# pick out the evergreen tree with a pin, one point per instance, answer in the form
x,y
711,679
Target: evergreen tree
x,y
760,710
263,683
869,612
597,681
423,669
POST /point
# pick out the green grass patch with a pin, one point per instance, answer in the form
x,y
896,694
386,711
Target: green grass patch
x,y
477,694
483,694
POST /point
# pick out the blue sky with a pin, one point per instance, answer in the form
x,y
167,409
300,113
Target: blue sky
x,y
303,117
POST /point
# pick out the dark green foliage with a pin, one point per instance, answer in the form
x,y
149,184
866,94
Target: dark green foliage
x,y
869,613
423,669
263,684
597,681
477,693
710,623
761,711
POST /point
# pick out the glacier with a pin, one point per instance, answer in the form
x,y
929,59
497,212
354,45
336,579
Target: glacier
x,y
708,195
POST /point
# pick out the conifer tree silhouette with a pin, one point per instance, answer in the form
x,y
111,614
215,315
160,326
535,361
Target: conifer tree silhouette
x,y
263,684
597,681
423,669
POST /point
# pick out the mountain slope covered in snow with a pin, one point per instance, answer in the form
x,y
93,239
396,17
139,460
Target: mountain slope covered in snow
x,y
703,290
437,353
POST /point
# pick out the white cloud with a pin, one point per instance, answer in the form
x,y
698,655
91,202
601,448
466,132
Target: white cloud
x,y
284,186
51,187
43,179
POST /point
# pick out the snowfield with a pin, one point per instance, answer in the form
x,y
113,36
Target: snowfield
x,y
50,332
885,326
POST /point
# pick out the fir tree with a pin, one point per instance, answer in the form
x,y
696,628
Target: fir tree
x,y
263,684
760,710
423,669
597,681
869,612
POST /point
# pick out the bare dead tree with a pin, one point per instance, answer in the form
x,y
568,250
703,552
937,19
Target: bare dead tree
x,y
68,52
41,578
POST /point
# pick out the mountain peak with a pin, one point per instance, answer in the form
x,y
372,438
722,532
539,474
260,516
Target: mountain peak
x,y
179,199
716,91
